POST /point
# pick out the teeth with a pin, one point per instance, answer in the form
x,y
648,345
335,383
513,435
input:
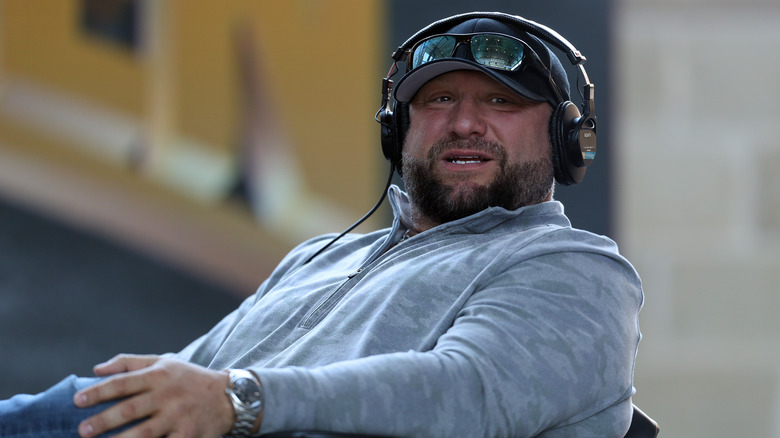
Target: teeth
x,y
466,160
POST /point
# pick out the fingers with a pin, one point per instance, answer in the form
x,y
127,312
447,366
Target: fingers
x,y
124,363
154,425
116,387
124,383
121,414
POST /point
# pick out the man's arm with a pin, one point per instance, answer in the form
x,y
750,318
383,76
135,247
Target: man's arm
x,y
547,343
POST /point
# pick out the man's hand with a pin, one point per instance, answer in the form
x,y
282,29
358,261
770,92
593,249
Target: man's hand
x,y
173,398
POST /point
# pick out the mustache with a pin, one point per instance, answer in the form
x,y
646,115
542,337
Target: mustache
x,y
479,144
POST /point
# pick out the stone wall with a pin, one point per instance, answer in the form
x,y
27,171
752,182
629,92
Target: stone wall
x,y
698,153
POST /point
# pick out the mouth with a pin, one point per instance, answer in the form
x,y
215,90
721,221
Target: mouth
x,y
466,160
466,157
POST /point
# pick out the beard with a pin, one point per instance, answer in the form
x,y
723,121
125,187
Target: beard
x,y
515,185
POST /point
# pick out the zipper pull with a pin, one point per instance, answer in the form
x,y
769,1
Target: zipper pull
x,y
355,273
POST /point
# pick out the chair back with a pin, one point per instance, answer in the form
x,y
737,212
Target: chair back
x,y
642,426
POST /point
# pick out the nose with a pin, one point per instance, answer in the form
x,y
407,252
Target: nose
x,y
467,120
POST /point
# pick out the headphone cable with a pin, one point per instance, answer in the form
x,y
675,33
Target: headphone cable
x,y
361,220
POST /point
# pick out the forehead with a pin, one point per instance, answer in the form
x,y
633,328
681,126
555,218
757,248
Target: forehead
x,y
468,80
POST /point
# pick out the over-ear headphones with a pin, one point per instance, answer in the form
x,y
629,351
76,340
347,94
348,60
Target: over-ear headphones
x,y
572,131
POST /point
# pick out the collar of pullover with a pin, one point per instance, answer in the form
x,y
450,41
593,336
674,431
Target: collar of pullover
x,y
545,213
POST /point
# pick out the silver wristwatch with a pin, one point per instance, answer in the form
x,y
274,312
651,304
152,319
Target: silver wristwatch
x,y
246,395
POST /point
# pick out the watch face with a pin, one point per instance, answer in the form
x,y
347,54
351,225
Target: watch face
x,y
247,391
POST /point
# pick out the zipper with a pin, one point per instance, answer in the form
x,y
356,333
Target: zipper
x,y
326,305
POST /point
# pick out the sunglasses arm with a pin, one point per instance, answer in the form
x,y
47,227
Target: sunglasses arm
x,y
399,55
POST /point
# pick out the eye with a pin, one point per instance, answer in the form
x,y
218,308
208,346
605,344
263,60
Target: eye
x,y
504,99
432,97
510,102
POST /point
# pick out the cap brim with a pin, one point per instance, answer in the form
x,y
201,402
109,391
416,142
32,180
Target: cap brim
x,y
410,84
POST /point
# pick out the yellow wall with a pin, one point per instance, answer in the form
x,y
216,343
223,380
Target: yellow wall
x,y
318,58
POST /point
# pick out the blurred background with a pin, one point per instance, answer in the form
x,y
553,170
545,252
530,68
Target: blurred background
x,y
158,158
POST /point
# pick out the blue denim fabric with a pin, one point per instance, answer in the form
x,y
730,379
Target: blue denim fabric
x,y
50,414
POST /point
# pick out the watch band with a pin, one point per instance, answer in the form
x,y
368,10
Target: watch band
x,y
246,395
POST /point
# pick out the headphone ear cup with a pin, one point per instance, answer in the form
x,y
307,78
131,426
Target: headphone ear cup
x,y
555,141
401,128
395,124
565,149
387,126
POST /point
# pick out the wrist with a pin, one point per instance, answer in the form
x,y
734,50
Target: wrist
x,y
245,393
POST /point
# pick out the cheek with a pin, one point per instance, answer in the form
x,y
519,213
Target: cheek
x,y
530,147
415,140
543,145
537,141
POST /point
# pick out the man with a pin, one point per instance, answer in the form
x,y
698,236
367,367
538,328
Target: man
x,y
480,312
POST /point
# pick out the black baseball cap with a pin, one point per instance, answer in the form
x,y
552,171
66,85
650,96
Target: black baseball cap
x,y
542,79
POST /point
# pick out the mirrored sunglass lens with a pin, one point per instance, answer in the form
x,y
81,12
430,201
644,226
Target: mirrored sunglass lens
x,y
432,49
497,52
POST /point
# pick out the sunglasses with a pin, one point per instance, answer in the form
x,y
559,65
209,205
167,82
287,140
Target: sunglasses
x,y
493,50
